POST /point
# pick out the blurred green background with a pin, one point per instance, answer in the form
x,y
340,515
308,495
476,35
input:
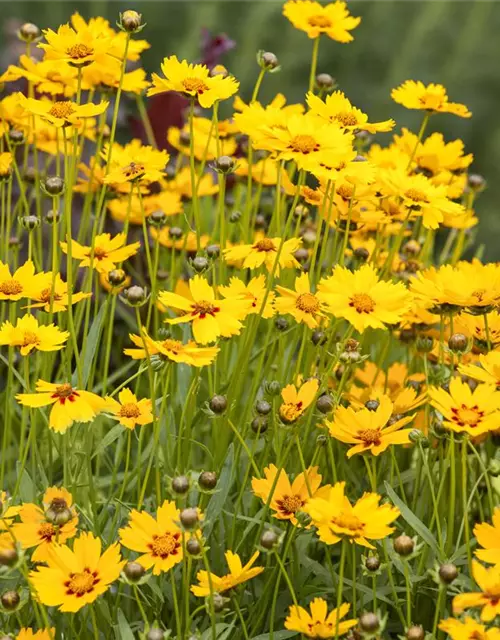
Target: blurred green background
x,y
456,43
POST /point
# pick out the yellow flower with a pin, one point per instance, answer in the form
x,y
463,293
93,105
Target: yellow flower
x,y
204,140
42,634
29,336
364,300
194,81
288,498
21,284
135,161
75,578
238,574
474,326
63,113
168,202
7,511
431,98
465,411
468,629
53,298
336,518
172,350
263,252
182,184
254,292
303,305
76,47
108,252
5,165
369,430
296,401
129,411
338,109
159,541
69,404
488,598
488,536
48,76
319,623
333,19
488,372
211,318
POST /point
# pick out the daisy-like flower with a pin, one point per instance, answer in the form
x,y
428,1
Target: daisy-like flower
x,y
288,498
128,410
263,252
135,162
76,47
193,81
364,300
488,536
238,574
465,411
318,622
431,98
467,629
56,297
40,528
334,19
5,165
369,430
30,336
63,112
488,371
297,400
68,404
473,326
42,634
159,541
338,109
75,578
211,318
336,518
171,350
303,305
488,599
48,76
108,251
20,284
254,291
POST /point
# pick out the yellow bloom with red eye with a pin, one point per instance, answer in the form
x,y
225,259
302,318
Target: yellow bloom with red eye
x,y
338,109
318,622
303,305
474,326
465,411
210,317
364,300
468,629
48,76
75,578
108,251
128,410
193,81
264,171
27,335
432,98
134,161
254,292
297,400
288,498
75,47
42,634
334,19
488,599
63,113
238,574
488,371
369,431
54,298
488,537
337,519
20,284
158,540
69,405
109,74
264,252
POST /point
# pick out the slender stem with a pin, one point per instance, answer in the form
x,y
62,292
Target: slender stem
x,y
314,63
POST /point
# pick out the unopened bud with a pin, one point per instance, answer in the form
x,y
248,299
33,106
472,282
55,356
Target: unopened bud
x,y
325,82
268,539
448,572
268,60
134,571
324,404
369,622
218,404
404,545
29,32
189,517
53,185
180,485
10,600
207,480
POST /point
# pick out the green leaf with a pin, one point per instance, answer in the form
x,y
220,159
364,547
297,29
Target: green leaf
x,y
112,435
222,631
27,489
123,631
218,499
278,635
91,346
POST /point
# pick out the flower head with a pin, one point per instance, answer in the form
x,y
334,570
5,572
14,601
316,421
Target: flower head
x,y
488,599
296,401
135,162
108,252
171,350
51,293
432,98
30,336
312,17
128,410
77,47
20,284
254,291
238,574
264,252
318,622
302,304
63,113
29,634
468,629
488,537
338,109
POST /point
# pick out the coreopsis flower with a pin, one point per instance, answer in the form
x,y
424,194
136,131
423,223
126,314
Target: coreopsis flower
x,y
297,400
302,304
263,252
204,140
334,19
337,519
69,405
488,599
55,297
5,165
183,186
369,430
288,498
168,202
128,410
27,335
473,326
41,634
193,81
39,528
255,120
77,47
135,162
465,411
48,76
364,300
108,251
488,371
171,350
238,574
338,109
468,628
318,622
63,113
210,317
20,284
254,292
488,537
159,541
431,98
77,577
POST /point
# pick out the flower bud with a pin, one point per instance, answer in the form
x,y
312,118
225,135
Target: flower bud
x,y
369,622
116,277
325,82
407,335
372,563
424,344
260,221
259,424
29,32
52,216
268,539
273,388
301,255
193,547
218,404
58,517
30,222
225,164
412,248
263,407
134,571
309,238
415,632
318,337
219,602
29,175
281,323
219,70
300,212
135,296
458,343
372,405
321,440
235,217
324,404
16,137
8,557
180,485
267,61
200,264
155,634
476,182
448,572
175,233
189,517
157,219
53,185
131,21
404,545
213,251
362,254
207,480
10,600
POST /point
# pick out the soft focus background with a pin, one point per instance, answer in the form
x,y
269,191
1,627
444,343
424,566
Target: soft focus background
x,y
455,43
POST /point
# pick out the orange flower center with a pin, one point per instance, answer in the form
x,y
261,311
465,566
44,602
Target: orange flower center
x,y
289,412
194,84
345,191
308,303
416,195
369,436
346,118
362,302
100,253
81,583
290,504
204,308
46,295
467,416
312,194
165,545
130,410
30,337
62,109
11,287
78,51
65,392
266,244
172,345
46,531
303,143
348,521
321,21
134,170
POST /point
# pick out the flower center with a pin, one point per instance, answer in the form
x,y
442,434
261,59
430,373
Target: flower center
x,y
30,337
303,143
134,170
369,436
346,118
79,51
81,583
470,416
46,531
348,521
172,345
416,195
290,412
345,191
312,195
100,253
203,308
307,302
320,21
130,410
266,244
194,84
62,109
165,545
11,287
47,295
290,504
65,392
362,302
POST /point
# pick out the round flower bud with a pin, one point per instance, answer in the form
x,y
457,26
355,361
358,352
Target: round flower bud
x,y
407,335
52,216
260,221
180,485
219,70
229,200
268,60
321,440
300,212
404,545
54,185
324,404
412,248
213,251
273,388
259,424
189,517
16,136
225,164
155,634
372,563
30,175
135,295
14,242
218,404
309,238
424,344
200,264
318,337
219,602
476,182
369,622
193,547
361,254
415,632
448,572
28,32
325,81
339,372
184,138
363,137
130,21
10,600
175,233
207,480
158,218
281,323
134,571
268,539
301,255
8,557
458,343
58,517
372,405
235,217
116,277
162,274
263,407
30,222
